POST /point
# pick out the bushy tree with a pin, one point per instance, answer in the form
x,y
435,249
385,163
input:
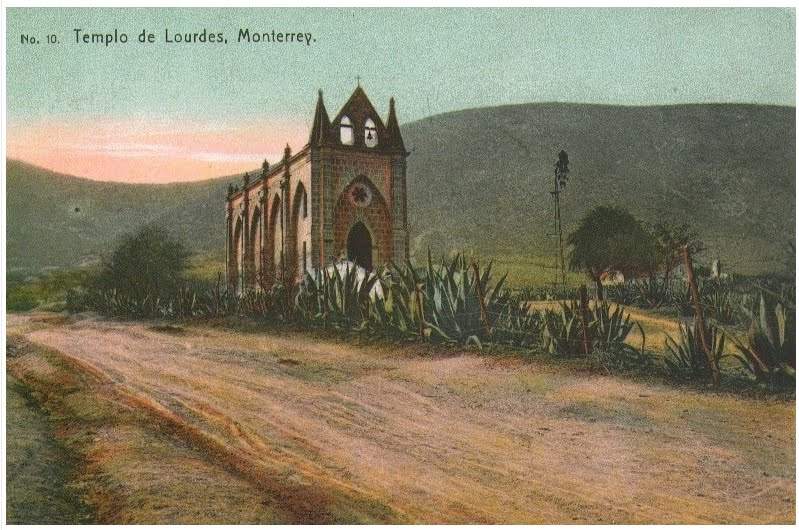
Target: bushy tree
x,y
669,240
148,263
610,239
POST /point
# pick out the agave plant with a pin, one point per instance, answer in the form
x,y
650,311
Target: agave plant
x,y
610,329
606,329
681,299
722,306
340,298
562,332
769,350
625,293
451,305
517,325
397,311
687,358
652,293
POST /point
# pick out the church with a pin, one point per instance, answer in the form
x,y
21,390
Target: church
x,y
341,197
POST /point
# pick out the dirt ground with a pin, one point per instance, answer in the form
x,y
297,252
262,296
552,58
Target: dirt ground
x,y
37,466
316,430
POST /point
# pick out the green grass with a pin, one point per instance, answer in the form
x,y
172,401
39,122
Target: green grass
x,y
206,266
45,290
532,271
523,271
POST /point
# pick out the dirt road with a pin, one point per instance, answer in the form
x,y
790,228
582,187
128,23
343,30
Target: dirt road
x,y
37,467
328,431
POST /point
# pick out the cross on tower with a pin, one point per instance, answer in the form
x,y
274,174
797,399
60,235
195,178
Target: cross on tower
x,y
358,80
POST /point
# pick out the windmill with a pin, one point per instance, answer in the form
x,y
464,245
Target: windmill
x,y
561,178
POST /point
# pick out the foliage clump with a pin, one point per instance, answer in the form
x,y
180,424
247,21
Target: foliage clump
x,y
607,240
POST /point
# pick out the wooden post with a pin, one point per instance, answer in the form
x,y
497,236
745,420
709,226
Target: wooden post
x,y
699,316
481,298
584,317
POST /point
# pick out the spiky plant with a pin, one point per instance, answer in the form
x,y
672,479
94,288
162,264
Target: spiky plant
x,y
451,300
335,298
517,325
625,293
652,293
769,349
562,330
681,299
608,327
722,305
687,358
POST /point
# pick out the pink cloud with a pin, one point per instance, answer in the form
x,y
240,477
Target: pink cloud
x,y
151,150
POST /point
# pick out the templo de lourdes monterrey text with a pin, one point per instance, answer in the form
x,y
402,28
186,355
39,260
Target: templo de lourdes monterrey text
x,y
243,35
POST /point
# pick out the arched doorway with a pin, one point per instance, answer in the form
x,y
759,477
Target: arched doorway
x,y
359,246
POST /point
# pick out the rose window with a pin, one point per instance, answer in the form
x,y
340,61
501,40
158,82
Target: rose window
x,y
361,195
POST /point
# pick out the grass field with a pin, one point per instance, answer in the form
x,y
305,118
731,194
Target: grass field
x,y
207,424
522,271
533,271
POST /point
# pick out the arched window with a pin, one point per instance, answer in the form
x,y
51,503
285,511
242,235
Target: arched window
x,y
347,135
370,133
304,204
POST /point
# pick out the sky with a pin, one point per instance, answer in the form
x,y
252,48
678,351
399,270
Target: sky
x,y
163,112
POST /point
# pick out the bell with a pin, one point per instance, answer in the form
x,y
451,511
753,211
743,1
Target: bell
x,y
368,135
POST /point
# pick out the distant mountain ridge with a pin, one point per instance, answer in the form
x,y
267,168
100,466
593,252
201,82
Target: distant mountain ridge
x,y
480,179
59,220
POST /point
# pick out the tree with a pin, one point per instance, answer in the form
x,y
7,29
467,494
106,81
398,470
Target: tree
x,y
149,262
610,239
669,240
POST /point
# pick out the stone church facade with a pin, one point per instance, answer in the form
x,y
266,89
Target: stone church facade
x,y
342,196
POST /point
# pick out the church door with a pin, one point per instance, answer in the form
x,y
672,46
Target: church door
x,y
359,246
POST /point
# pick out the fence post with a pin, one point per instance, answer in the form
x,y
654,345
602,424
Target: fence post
x,y
584,317
699,317
481,297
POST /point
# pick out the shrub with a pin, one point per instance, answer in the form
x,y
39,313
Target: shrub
x,y
562,330
46,291
625,293
681,299
551,292
652,293
607,330
769,350
332,297
687,359
146,267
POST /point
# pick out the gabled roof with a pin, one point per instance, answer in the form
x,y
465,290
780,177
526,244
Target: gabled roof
x,y
358,109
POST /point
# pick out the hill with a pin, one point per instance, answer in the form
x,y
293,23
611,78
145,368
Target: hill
x,y
480,179
57,220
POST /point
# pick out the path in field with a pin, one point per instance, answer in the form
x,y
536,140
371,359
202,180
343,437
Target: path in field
x,y
37,467
401,435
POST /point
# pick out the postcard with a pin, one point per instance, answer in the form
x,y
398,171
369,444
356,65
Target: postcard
x,y
300,265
